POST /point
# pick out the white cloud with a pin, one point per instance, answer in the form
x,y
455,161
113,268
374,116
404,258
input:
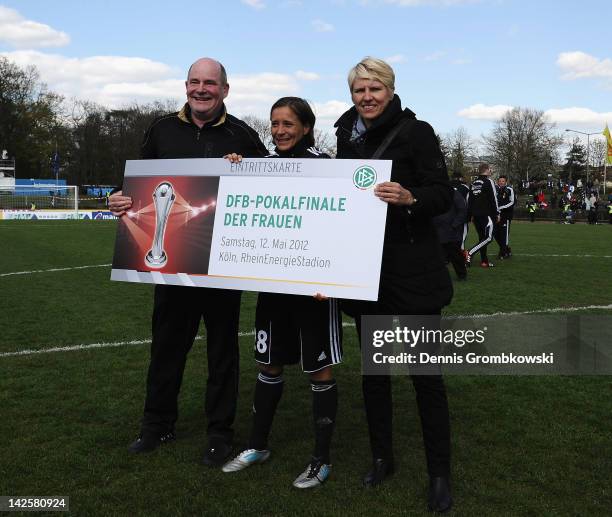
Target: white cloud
x,y
579,116
322,26
482,112
115,81
396,58
255,4
577,65
21,33
435,56
254,94
108,80
55,67
330,109
328,112
307,76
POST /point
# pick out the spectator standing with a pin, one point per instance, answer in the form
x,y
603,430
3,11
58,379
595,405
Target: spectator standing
x,y
449,226
532,206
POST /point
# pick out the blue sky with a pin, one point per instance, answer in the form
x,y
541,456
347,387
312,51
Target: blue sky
x,y
458,63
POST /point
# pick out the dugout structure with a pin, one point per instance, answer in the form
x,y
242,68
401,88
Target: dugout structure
x,y
39,197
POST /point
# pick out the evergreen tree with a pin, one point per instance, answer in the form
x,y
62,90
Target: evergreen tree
x,y
575,164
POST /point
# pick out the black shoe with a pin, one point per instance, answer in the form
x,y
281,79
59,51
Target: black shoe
x,y
439,499
217,452
148,441
381,469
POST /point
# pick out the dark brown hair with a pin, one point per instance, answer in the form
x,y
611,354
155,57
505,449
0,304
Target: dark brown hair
x,y
302,110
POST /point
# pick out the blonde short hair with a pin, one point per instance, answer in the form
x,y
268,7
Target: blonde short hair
x,y
373,69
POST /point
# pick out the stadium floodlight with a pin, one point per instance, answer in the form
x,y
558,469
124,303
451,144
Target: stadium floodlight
x,y
39,197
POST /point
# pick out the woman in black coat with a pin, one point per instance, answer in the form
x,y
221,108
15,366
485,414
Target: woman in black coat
x,y
414,279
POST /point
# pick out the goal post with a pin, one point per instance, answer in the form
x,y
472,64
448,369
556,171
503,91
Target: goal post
x,y
39,197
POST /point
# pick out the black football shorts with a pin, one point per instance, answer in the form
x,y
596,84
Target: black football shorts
x,y
292,328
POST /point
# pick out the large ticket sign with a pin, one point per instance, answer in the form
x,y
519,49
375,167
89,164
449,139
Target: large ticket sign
x,y
277,225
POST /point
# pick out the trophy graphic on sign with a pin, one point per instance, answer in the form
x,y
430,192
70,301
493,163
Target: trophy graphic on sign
x,y
163,198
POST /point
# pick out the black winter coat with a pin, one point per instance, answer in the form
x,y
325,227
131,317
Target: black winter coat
x,y
414,278
449,225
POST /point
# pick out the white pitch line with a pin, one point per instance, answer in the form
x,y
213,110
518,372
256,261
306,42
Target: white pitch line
x,y
536,311
252,333
559,255
53,270
75,348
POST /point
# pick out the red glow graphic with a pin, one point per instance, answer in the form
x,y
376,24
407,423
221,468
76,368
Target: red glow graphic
x,y
188,231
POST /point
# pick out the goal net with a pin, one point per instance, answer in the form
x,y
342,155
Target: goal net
x,y
39,197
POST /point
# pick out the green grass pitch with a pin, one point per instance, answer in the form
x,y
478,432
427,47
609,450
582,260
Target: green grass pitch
x,y
521,445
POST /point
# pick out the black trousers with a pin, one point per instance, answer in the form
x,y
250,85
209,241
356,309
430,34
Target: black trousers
x,y
452,252
484,227
176,317
431,401
502,235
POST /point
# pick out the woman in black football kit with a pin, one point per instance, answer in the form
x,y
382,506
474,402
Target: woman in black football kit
x,y
292,328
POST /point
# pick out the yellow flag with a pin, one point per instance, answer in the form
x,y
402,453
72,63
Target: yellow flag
x,y
606,132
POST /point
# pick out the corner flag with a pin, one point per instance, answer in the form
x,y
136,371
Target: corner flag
x,y
606,132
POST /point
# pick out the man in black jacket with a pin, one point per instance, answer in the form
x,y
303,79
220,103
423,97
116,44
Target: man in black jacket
x,y
202,129
484,211
505,201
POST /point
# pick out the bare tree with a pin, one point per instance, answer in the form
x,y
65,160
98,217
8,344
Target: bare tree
x,y
458,147
103,139
262,128
523,144
598,152
325,142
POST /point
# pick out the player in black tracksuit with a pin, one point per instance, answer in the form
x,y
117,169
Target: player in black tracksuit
x,y
484,211
458,183
291,329
506,202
